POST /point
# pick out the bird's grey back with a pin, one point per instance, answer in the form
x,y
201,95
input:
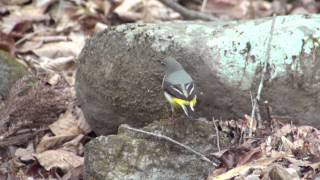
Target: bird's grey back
x,y
179,77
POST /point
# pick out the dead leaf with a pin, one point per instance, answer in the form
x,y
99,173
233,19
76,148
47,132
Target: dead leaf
x,y
249,156
75,145
4,11
61,159
74,174
29,46
232,156
66,125
88,23
128,5
29,13
54,79
19,2
49,142
7,43
285,130
100,27
153,10
25,154
57,64
288,145
250,120
280,173
230,8
260,163
21,28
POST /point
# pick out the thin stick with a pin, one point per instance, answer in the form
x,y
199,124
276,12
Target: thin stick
x,y
217,133
26,37
263,75
173,141
268,111
204,4
187,13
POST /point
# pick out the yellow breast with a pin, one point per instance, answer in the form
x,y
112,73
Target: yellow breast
x,y
177,101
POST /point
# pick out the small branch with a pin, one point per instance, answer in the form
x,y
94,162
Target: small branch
x,y
20,139
204,4
25,38
217,133
173,141
268,111
187,13
263,75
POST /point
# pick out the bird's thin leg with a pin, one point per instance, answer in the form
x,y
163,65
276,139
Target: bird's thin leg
x,y
172,119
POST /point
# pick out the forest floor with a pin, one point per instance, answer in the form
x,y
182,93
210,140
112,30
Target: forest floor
x,y
46,36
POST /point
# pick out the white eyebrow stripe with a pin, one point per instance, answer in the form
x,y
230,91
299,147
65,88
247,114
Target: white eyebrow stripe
x,y
188,85
177,90
191,90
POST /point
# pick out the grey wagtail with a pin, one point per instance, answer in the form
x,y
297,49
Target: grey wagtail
x,y
178,86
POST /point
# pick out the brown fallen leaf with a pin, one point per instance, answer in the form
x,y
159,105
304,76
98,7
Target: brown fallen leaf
x,y
29,46
48,142
288,145
249,156
88,23
20,28
54,79
25,154
153,11
260,163
29,13
280,173
66,125
57,64
248,119
59,49
75,145
74,174
61,159
7,43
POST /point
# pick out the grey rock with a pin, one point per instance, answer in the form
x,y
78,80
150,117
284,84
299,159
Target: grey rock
x,y
136,156
10,72
120,75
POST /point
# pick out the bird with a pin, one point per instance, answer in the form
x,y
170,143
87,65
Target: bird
x,y
178,87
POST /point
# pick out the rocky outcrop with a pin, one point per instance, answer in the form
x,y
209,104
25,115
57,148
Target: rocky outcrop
x,y
135,156
119,74
10,72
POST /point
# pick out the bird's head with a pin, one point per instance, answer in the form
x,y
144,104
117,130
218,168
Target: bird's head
x,y
171,63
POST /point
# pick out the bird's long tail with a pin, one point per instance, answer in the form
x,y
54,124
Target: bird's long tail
x,y
188,110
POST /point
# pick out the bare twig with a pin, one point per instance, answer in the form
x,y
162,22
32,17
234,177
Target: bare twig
x,y
173,141
217,133
20,139
267,62
187,13
268,111
48,39
26,37
204,4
